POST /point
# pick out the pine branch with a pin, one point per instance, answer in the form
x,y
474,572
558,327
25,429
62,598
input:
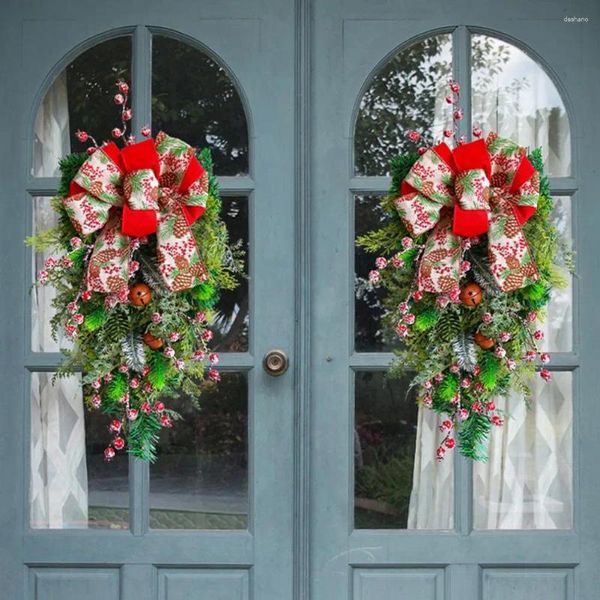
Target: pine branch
x,y
96,319
116,388
151,274
427,319
448,327
464,350
143,437
490,367
481,273
159,370
133,350
448,388
473,435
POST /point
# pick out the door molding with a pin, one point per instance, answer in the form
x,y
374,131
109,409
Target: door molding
x,y
302,387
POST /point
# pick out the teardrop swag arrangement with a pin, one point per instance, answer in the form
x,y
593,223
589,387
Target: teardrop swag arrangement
x,y
142,256
468,257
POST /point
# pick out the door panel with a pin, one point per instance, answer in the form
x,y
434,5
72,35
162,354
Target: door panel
x,y
237,531
361,546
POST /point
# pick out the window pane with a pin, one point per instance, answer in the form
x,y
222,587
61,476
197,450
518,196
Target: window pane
x,y
513,95
527,482
194,98
41,297
370,334
558,326
200,480
88,81
399,484
232,319
71,485
407,93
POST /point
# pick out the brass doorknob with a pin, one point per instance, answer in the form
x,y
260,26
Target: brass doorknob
x,y
275,363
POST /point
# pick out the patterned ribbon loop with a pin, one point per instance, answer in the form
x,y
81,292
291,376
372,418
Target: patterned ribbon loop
x,y
151,187
482,187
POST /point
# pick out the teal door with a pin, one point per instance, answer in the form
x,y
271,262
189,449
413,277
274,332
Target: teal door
x,y
213,518
390,522
321,483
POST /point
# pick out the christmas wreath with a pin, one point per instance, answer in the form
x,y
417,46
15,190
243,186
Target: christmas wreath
x,y
468,257
143,256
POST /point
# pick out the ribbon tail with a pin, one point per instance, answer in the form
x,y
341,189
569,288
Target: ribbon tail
x,y
511,260
439,269
108,269
178,257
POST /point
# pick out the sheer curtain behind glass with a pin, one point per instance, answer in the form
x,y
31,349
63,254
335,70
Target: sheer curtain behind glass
x,y
58,495
58,486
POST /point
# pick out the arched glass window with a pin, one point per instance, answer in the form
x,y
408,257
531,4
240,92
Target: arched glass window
x,y
507,91
204,462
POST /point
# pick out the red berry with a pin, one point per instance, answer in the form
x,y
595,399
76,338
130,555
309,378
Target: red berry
x,y
123,87
119,99
450,443
117,133
109,454
119,443
127,114
82,136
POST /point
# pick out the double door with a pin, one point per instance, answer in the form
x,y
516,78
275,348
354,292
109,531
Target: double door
x,y
320,483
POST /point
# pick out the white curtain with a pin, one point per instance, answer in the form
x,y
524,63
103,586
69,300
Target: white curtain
x,y
432,497
58,483
519,101
58,491
51,130
526,482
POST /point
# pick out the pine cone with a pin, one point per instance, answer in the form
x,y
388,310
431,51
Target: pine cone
x,y
436,255
96,189
116,284
513,263
127,187
181,227
168,180
511,226
183,281
447,284
427,188
426,268
514,281
499,180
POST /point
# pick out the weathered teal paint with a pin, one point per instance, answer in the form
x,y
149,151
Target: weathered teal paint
x,y
300,68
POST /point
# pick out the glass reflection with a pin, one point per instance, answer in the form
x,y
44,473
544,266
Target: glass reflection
x,y
513,95
193,98
200,480
232,317
71,486
527,482
87,81
370,333
406,93
384,451
558,325
43,296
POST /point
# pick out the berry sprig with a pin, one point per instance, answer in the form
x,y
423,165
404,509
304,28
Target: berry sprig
x,y
121,99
